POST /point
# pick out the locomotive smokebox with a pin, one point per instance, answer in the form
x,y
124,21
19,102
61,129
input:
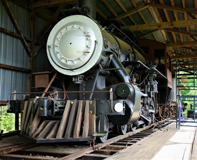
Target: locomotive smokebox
x,y
74,45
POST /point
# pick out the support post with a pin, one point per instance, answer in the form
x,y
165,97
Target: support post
x,y
16,120
31,59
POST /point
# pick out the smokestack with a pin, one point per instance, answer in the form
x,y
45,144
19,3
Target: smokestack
x,y
89,3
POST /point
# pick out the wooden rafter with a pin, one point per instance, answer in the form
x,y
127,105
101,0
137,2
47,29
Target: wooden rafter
x,y
134,4
156,19
15,24
147,33
21,4
177,19
132,11
181,32
169,20
2,103
185,69
166,36
195,3
112,11
162,25
189,48
13,68
184,57
42,31
125,10
172,8
31,59
101,13
29,8
48,3
184,64
182,44
13,34
176,53
185,15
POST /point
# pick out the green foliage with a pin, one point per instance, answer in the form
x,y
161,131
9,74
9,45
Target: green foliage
x,y
7,120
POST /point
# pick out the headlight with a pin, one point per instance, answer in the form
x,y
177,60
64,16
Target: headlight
x,y
118,107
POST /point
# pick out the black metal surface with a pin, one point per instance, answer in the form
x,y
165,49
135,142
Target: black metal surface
x,y
139,65
121,75
90,4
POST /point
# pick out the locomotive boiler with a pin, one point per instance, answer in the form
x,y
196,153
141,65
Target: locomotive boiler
x,y
108,86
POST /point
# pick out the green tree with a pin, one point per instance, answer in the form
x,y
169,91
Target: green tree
x,y
7,120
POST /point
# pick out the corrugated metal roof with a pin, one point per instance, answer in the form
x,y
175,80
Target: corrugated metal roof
x,y
162,14
137,18
139,2
150,36
127,21
104,9
181,16
115,6
167,2
159,36
170,36
127,4
190,4
171,15
146,14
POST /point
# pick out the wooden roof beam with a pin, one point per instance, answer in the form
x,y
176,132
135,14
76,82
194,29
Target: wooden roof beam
x,y
181,32
162,25
13,34
184,64
192,49
132,11
147,33
169,20
142,17
182,44
184,57
101,14
112,10
49,3
156,18
173,8
125,10
13,68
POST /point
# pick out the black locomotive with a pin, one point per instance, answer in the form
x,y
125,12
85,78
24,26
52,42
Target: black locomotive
x,y
108,85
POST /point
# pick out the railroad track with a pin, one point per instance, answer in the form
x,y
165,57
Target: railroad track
x,y
79,150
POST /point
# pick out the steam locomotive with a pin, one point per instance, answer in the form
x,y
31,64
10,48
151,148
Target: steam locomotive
x,y
108,85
